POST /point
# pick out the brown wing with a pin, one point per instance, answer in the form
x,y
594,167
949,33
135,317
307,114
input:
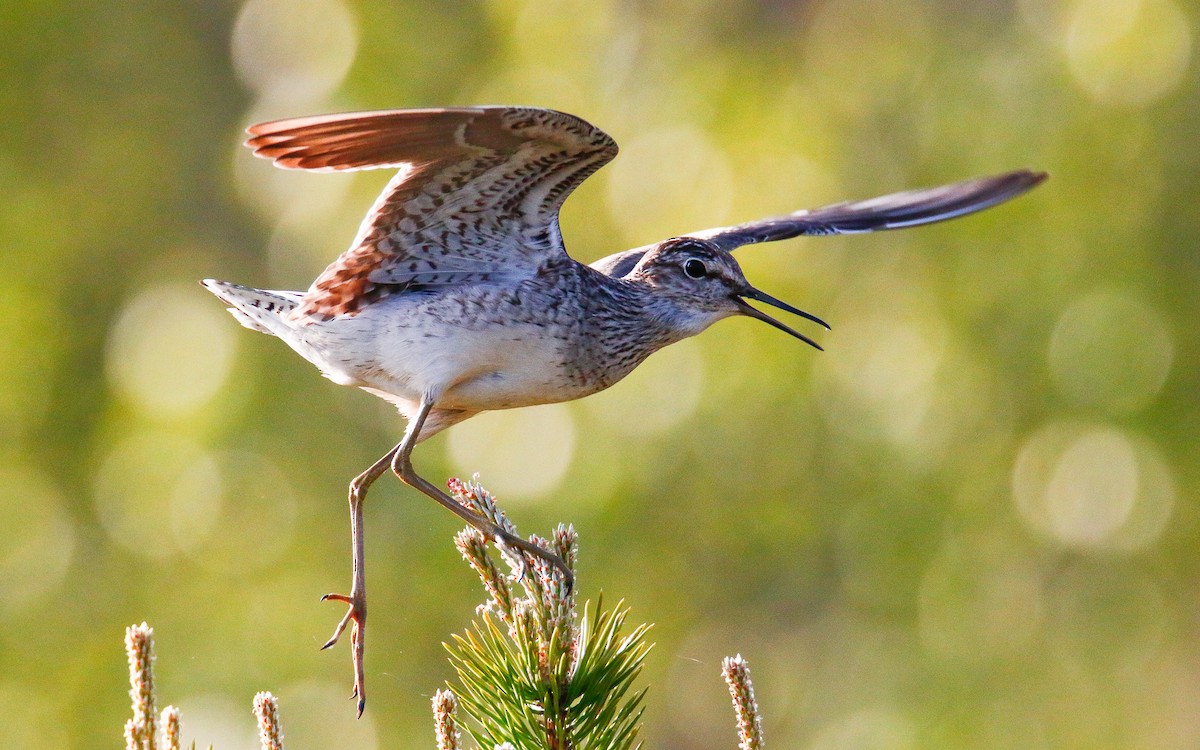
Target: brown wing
x,y
476,199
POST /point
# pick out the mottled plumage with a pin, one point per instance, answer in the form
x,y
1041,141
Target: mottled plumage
x,y
476,198
457,295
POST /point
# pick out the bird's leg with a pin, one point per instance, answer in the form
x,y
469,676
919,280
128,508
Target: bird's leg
x,y
402,466
357,599
398,459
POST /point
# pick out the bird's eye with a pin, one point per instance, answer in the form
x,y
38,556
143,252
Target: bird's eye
x,y
695,268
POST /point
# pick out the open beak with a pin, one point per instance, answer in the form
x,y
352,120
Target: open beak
x,y
753,312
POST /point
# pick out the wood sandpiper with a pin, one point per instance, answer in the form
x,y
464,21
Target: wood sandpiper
x,y
457,295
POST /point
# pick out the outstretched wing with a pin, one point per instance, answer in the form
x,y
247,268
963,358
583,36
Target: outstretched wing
x,y
908,209
476,198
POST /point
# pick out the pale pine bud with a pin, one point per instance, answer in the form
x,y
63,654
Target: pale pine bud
x,y
737,675
139,647
133,735
171,729
444,726
478,499
270,731
566,544
473,545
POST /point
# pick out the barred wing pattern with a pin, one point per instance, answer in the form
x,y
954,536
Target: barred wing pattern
x,y
476,198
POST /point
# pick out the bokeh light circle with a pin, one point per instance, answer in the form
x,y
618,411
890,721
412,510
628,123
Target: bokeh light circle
x,y
294,49
1128,52
256,518
520,454
159,493
170,350
668,182
1093,487
1111,350
38,542
882,383
134,487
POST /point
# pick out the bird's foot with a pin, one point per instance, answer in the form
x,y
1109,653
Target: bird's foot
x,y
356,617
517,560
568,575
505,540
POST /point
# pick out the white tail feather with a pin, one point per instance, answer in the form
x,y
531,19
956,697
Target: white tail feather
x,y
261,310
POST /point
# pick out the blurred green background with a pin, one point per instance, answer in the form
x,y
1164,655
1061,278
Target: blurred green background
x,y
970,523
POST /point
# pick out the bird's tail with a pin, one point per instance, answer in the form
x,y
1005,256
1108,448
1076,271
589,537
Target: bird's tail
x,y
258,309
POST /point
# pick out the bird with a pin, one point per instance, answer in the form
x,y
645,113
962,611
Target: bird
x,y
457,295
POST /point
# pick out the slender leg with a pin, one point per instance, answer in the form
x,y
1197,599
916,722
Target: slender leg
x,y
357,599
398,459
402,466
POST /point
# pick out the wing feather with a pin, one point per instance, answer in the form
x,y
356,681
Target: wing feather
x,y
476,198
895,211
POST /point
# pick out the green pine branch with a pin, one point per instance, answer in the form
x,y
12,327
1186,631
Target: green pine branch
x,y
533,671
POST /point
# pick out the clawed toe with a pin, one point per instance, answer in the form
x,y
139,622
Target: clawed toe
x,y
506,542
356,616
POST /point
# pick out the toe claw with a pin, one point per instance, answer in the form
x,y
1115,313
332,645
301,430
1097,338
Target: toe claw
x,y
356,615
352,615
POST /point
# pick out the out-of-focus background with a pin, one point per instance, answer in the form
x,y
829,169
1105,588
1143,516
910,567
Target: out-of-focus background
x,y
972,522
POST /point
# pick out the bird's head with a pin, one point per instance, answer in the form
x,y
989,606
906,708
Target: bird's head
x,y
699,283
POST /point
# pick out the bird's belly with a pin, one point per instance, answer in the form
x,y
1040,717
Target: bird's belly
x,y
480,370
